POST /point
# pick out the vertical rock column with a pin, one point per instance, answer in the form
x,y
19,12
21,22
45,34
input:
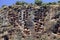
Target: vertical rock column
x,y
22,15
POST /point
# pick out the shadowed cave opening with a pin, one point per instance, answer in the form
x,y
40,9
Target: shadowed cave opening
x,y
56,27
5,37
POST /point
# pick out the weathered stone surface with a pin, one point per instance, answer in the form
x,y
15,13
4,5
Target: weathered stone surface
x,y
30,22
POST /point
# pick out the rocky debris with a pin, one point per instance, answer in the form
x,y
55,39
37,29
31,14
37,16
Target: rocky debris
x,y
28,21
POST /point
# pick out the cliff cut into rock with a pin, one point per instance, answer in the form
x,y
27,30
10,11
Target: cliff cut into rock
x,y
30,22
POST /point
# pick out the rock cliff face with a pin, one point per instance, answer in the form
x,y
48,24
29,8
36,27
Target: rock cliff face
x,y
30,22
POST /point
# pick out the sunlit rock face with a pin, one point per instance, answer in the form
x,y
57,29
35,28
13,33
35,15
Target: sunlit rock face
x,y
29,22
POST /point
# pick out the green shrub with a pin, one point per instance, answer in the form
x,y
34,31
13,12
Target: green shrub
x,y
38,2
20,3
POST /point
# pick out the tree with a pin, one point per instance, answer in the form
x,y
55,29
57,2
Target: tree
x,y
20,3
53,3
59,2
4,5
38,2
49,3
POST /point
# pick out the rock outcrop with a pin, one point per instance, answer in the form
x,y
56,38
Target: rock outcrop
x,y
30,22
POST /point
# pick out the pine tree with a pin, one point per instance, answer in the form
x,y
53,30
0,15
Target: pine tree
x,y
38,2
